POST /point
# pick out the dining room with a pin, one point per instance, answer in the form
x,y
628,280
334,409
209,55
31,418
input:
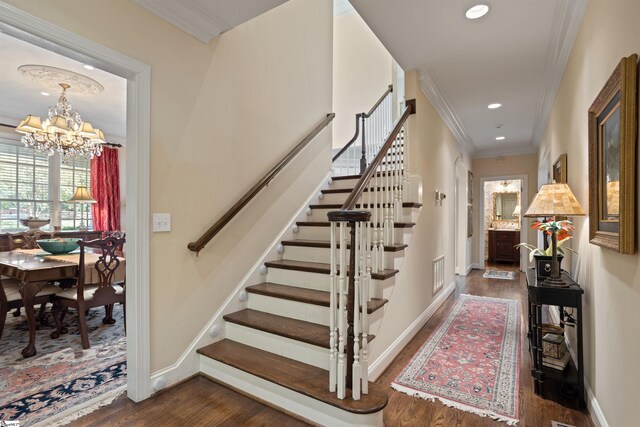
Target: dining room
x,y
62,233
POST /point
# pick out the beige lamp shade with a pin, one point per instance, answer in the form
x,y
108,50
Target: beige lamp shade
x,y
82,195
554,199
30,124
57,124
87,130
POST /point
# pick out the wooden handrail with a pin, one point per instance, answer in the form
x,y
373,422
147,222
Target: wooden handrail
x,y
384,95
363,182
199,244
348,144
358,116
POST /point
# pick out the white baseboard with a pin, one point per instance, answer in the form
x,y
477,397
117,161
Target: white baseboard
x,y
477,266
377,367
597,416
469,268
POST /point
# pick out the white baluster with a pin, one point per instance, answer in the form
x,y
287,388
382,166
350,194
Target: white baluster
x,y
365,283
355,378
342,313
332,313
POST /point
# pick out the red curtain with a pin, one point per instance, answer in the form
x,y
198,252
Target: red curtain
x,y
105,188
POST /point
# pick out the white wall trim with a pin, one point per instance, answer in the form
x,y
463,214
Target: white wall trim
x,y
469,268
378,366
188,364
568,18
507,151
44,34
477,266
524,205
430,88
597,416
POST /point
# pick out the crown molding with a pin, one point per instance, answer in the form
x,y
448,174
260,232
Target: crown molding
x,y
515,151
8,119
568,18
430,88
187,16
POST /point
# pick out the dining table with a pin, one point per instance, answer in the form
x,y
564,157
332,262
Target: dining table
x,y
34,268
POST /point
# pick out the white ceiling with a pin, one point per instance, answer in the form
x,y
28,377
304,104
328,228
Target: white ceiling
x,y
515,55
206,19
20,96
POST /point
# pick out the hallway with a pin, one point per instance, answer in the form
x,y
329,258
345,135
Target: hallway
x,y
201,402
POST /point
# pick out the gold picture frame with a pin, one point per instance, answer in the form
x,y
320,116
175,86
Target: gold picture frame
x,y
613,123
560,169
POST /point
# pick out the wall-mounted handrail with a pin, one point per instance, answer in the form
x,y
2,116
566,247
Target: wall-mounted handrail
x,y
360,116
363,182
199,244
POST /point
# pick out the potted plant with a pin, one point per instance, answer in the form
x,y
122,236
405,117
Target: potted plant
x,y
543,256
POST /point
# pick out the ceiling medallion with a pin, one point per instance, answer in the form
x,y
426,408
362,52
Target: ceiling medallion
x,y
50,78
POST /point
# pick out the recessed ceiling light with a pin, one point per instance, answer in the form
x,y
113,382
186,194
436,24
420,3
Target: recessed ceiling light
x,y
494,106
477,11
45,93
88,67
500,138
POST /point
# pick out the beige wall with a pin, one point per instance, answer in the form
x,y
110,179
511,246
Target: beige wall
x,y
362,70
433,152
221,115
611,281
488,168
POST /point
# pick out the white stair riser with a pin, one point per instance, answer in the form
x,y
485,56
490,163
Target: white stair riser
x,y
288,308
302,253
286,347
288,400
402,235
408,214
333,198
318,281
344,183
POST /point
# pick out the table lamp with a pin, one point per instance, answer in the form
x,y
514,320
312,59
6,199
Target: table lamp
x,y
554,199
82,196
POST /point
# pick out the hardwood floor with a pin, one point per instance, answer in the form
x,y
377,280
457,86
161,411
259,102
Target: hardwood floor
x,y
203,402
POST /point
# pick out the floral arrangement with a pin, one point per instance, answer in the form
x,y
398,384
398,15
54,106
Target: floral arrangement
x,y
562,230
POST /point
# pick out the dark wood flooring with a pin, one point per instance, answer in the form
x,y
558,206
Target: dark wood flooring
x,y
202,402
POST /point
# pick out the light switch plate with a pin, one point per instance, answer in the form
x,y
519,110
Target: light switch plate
x,y
161,222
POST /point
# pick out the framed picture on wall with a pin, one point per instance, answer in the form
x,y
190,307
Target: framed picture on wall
x,y
470,186
613,122
560,169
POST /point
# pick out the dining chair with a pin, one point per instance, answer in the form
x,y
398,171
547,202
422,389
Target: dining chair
x,y
11,298
106,292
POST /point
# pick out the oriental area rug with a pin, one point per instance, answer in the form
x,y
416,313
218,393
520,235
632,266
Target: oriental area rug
x,y
62,376
472,361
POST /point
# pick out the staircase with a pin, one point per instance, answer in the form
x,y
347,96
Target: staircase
x,y
279,344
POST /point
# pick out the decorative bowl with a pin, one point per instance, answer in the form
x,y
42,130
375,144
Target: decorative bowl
x,y
58,245
34,223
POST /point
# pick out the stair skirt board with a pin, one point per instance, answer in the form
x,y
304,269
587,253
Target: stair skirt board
x,y
392,260
289,401
303,311
318,281
282,346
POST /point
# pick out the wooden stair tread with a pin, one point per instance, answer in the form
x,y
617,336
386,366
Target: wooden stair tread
x,y
309,296
344,190
326,244
321,267
293,375
311,333
327,224
358,206
357,176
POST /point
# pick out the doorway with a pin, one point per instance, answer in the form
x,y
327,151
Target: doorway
x,y
502,204
29,28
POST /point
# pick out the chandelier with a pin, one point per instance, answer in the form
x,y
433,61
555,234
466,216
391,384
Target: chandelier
x,y
63,132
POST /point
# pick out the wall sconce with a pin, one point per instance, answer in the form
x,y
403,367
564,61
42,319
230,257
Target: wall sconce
x,y
440,196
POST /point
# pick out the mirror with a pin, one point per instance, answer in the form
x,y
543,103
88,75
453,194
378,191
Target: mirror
x,y
506,206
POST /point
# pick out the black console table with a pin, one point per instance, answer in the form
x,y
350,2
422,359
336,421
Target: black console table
x,y
539,295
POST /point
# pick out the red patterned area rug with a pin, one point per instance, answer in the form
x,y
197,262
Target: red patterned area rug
x,y
62,377
472,361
